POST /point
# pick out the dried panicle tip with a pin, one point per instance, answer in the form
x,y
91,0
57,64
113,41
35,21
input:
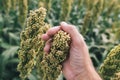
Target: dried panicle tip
x,y
111,64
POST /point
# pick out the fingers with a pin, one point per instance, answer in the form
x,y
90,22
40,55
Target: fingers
x,y
45,37
72,30
47,46
76,37
53,31
50,33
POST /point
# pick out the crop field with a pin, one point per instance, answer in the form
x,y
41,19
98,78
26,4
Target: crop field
x,y
97,20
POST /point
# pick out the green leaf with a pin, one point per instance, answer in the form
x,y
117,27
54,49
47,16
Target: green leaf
x,y
31,77
1,20
10,52
13,60
4,44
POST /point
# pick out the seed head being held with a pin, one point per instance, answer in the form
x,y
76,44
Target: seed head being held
x,y
78,65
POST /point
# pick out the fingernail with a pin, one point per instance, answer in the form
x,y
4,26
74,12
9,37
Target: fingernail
x,y
63,24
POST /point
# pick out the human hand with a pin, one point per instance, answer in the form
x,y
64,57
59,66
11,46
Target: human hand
x,y
78,65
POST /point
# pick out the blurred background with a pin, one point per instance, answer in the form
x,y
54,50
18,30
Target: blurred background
x,y
97,20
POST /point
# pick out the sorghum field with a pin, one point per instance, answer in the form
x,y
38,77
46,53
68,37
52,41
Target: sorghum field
x,y
97,20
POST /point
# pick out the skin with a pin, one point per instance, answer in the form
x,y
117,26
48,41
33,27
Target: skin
x,y
78,65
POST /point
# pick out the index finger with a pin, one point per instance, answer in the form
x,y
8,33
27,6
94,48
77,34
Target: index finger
x,y
51,32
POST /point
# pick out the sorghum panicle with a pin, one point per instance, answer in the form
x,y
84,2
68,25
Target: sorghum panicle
x,y
30,41
46,4
58,52
23,10
116,76
66,7
97,9
31,51
14,4
87,22
7,5
111,64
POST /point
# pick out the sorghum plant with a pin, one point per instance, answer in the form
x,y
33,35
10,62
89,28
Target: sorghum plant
x,y
31,45
111,65
23,10
66,7
46,4
116,77
58,52
31,52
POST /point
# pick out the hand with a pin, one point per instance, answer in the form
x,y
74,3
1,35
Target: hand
x,y
78,65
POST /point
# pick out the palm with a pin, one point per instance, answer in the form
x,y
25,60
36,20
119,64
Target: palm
x,y
75,63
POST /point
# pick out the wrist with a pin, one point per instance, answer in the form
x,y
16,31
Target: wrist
x,y
89,74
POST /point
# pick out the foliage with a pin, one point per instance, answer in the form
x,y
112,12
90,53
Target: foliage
x,y
97,20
